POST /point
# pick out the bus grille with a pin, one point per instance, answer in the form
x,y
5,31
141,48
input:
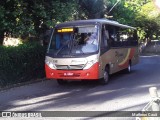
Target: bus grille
x,y
70,67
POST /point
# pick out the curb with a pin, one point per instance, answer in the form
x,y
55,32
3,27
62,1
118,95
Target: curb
x,y
21,84
149,54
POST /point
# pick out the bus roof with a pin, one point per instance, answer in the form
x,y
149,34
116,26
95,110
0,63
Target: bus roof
x,y
93,21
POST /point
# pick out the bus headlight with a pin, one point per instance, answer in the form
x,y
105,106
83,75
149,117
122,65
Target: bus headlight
x,y
50,64
90,63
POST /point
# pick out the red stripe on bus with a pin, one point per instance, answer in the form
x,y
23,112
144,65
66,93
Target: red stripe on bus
x,y
131,54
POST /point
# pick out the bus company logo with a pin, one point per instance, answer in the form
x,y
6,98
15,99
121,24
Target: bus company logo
x,y
6,114
78,61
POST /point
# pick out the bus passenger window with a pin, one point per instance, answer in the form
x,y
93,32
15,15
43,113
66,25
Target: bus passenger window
x,y
113,36
105,39
128,37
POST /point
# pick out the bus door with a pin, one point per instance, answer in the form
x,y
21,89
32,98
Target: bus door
x,y
107,52
115,48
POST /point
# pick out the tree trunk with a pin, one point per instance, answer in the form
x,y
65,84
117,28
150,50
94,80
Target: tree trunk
x,y
157,35
1,37
36,26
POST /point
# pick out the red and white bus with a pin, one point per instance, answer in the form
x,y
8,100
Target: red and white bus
x,y
90,50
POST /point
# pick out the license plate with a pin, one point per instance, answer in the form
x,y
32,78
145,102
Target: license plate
x,y
68,74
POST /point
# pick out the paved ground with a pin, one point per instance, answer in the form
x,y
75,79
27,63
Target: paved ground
x,y
125,92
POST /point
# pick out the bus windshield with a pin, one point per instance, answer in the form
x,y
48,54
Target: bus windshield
x,y
74,41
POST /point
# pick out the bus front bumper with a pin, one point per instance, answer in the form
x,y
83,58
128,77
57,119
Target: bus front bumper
x,y
89,74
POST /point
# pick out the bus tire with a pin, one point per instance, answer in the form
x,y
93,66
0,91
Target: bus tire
x,y
105,78
128,69
61,81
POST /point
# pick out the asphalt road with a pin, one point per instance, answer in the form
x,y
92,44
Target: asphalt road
x,y
125,92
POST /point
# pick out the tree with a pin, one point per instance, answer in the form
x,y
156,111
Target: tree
x,y
149,20
24,17
138,13
126,11
45,13
8,17
91,9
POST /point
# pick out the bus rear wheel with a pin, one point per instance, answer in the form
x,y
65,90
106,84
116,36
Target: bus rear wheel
x,y
105,78
61,81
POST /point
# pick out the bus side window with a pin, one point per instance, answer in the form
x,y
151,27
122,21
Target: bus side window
x,y
128,37
123,35
113,36
135,37
104,40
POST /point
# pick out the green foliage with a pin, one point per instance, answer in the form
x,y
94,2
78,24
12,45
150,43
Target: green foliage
x,y
24,17
138,13
148,20
21,63
122,14
92,8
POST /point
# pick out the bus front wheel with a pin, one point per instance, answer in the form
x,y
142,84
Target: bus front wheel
x,y
61,81
105,78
